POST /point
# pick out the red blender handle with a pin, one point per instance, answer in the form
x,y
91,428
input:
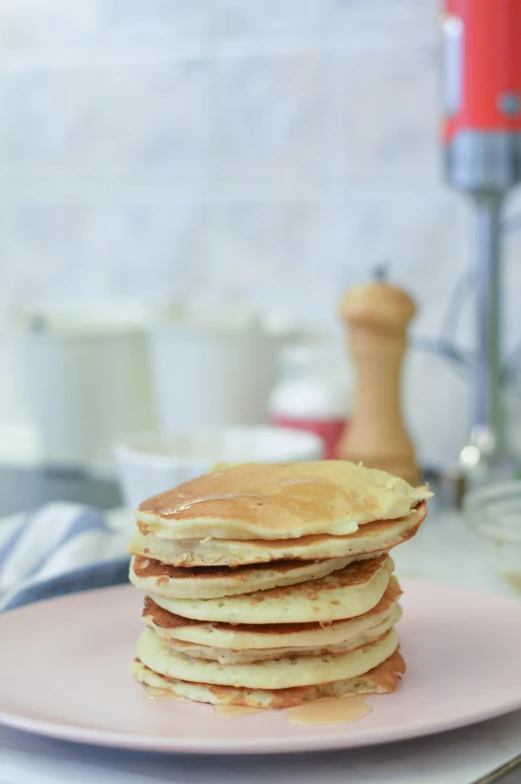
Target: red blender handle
x,y
482,73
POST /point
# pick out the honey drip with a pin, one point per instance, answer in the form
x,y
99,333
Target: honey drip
x,y
276,494
339,711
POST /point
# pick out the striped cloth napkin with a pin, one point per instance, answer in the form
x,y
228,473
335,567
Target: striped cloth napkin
x,y
60,548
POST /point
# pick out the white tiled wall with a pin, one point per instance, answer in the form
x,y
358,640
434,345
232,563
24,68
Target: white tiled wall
x,y
275,149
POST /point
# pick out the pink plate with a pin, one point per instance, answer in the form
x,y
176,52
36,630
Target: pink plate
x,y
65,673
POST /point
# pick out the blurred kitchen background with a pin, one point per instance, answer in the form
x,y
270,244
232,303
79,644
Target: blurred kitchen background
x,y
227,156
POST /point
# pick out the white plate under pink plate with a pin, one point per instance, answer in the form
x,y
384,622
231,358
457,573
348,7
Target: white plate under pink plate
x,y
65,673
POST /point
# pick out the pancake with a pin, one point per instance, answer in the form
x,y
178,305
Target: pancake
x,y
178,631
370,538
272,674
350,591
382,679
278,500
271,585
243,637
210,582
250,655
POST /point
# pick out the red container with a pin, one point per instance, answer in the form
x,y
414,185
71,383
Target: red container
x,y
313,393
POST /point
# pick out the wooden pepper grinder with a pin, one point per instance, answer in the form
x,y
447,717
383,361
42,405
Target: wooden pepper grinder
x,y
377,315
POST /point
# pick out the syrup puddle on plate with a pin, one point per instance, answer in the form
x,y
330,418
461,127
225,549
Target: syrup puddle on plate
x,y
344,710
154,693
513,578
232,711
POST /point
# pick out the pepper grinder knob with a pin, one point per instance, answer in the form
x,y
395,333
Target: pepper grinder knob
x,y
377,315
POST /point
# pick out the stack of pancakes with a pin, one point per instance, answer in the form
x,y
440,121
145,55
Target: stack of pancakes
x,y
270,585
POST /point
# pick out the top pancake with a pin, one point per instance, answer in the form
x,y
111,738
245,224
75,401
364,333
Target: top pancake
x,y
369,539
278,501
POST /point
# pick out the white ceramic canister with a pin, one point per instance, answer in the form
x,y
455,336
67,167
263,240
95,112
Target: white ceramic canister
x,y
212,371
86,380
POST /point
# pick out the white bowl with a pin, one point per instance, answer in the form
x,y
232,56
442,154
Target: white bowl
x,y
149,463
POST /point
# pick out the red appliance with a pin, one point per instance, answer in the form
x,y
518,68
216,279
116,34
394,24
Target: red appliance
x,y
482,141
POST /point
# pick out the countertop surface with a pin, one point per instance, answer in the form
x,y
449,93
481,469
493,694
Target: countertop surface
x,y
443,550
452,758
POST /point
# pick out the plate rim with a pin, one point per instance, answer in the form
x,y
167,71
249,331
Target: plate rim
x,y
250,746
243,747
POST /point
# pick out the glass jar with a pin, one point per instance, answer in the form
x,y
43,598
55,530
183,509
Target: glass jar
x,y
493,514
